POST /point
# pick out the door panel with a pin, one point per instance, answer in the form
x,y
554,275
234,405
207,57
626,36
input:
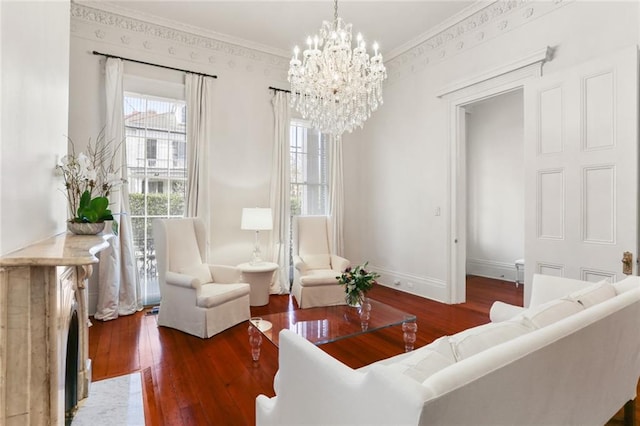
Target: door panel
x,y
581,184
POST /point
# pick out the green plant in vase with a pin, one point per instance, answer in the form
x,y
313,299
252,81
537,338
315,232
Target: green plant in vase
x,y
357,282
88,181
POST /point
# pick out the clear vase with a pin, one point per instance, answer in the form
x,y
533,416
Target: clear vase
x,y
355,298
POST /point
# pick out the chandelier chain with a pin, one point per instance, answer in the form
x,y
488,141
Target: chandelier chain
x,y
335,10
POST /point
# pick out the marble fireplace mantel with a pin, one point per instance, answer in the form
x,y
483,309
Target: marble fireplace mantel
x,y
40,286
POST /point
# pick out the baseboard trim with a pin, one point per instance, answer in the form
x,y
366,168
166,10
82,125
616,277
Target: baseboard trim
x,y
431,288
492,269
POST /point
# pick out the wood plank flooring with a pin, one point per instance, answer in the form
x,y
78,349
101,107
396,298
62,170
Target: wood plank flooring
x,y
191,381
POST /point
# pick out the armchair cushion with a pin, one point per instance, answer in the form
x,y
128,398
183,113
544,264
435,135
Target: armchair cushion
x,y
200,271
216,294
225,274
317,277
317,261
300,265
339,263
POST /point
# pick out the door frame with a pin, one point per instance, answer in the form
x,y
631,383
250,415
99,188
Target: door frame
x,y
506,78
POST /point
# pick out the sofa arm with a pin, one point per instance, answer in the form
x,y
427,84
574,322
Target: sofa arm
x,y
339,263
300,265
182,280
501,311
313,387
222,274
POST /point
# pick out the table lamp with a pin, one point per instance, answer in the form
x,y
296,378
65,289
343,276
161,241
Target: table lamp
x,y
256,219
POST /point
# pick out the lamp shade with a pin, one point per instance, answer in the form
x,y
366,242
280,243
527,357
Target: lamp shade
x,y
256,219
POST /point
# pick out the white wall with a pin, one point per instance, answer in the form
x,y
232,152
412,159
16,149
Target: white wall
x,y
495,185
390,212
34,106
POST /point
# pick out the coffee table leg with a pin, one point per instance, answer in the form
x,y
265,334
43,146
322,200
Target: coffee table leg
x,y
255,340
409,330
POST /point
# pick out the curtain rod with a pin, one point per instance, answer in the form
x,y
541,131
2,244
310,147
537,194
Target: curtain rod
x,y
279,90
153,65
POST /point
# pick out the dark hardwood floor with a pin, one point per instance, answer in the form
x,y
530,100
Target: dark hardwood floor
x,y
191,381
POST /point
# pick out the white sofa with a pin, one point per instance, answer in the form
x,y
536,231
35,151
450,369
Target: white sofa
x,y
573,358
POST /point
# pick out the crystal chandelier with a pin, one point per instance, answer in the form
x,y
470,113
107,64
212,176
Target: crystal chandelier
x,y
337,88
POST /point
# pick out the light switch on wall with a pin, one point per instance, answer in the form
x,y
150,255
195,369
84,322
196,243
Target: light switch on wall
x,y
437,211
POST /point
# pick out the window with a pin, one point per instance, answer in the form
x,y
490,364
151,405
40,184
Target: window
x,y
178,153
309,170
156,165
152,152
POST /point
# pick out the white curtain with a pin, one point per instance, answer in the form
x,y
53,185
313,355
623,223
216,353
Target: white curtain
x,y
336,194
199,97
280,192
118,283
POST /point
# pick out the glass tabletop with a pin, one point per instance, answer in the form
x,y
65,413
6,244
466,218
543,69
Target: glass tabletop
x,y
331,323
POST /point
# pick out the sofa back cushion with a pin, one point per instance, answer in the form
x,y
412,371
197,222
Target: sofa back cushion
x,y
550,312
422,364
630,283
477,339
594,294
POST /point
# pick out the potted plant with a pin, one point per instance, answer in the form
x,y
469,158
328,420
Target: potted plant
x,y
357,282
88,181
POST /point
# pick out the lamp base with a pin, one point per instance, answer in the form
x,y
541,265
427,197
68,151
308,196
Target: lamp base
x,y
256,256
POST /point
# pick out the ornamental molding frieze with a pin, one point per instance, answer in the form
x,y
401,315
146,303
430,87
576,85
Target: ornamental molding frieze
x,y
459,35
479,27
112,28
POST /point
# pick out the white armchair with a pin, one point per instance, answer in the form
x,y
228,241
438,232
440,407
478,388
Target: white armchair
x,y
196,297
315,267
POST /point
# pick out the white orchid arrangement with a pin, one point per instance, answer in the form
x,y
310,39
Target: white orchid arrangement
x,y
89,179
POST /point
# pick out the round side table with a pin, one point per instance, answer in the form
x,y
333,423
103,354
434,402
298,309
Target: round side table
x,y
259,276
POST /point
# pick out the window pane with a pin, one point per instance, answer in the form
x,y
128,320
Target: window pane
x,y
156,164
309,171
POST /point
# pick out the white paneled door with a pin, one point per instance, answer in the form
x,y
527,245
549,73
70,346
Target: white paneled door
x,y
581,184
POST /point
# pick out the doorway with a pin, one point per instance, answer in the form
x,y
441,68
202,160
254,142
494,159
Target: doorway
x,y
495,223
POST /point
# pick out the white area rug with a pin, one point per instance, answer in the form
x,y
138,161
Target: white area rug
x,y
116,401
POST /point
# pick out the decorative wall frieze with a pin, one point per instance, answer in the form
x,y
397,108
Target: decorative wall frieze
x,y
480,27
119,30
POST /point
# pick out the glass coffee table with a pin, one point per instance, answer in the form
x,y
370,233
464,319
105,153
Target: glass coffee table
x,y
332,323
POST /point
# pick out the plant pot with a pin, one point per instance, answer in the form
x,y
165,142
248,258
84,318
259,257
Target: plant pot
x,y
79,228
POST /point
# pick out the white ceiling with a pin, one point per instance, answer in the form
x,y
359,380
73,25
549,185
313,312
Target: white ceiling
x,y
276,26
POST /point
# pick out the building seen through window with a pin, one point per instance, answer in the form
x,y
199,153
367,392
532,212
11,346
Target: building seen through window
x,y
309,170
155,132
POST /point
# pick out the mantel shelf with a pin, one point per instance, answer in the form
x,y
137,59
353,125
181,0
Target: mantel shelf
x,y
64,249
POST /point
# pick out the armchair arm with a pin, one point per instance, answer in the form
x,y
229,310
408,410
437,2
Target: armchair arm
x,y
223,274
501,311
182,280
339,263
299,264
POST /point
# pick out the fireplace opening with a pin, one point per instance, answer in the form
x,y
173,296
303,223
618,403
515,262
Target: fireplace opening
x,y
71,369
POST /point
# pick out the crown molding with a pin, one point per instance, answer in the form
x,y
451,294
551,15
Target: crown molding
x,y
108,6
155,36
484,24
441,28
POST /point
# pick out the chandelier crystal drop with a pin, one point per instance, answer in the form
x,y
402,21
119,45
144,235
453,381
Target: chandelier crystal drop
x,y
335,86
